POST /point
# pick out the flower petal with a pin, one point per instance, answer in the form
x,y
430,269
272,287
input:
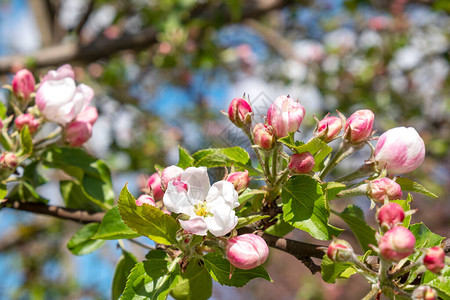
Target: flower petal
x,y
225,192
176,200
223,219
198,181
196,225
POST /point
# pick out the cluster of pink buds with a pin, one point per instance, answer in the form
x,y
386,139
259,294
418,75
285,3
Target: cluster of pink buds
x,y
246,251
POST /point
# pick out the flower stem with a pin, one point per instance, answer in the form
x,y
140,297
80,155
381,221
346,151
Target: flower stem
x,y
345,150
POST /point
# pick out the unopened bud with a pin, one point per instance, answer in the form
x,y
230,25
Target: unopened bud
x,y
23,84
399,150
154,183
424,292
145,199
390,215
240,180
246,251
301,163
396,244
168,174
434,259
285,115
359,126
339,251
381,188
8,161
240,112
78,133
328,128
27,120
263,136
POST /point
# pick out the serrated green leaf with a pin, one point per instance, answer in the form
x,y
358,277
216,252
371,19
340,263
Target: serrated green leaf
x,y
409,185
194,284
151,279
219,269
147,220
75,198
224,157
185,160
440,283
424,238
248,220
354,217
406,207
112,227
26,141
332,270
304,207
126,263
331,189
82,243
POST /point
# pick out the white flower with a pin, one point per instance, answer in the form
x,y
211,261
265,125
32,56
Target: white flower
x,y
209,207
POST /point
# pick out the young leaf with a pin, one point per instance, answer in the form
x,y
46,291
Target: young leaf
x,y
126,263
194,284
406,207
332,270
304,207
424,238
147,220
280,228
249,220
354,217
440,283
26,141
151,279
112,227
219,269
409,185
185,160
221,157
82,243
3,191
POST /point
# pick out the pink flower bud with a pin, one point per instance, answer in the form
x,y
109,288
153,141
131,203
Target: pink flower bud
x,y
301,163
381,188
400,150
65,71
246,251
23,84
263,136
154,182
359,126
88,115
78,133
390,215
434,259
396,244
339,251
27,120
240,112
8,161
168,174
145,199
424,292
328,128
240,180
285,115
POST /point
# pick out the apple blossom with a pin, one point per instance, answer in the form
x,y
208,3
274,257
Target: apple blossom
x,y
8,161
145,199
358,127
339,251
78,133
210,208
240,180
382,188
59,98
240,112
400,150
246,251
27,120
263,136
285,115
88,115
397,243
328,128
390,214
154,183
168,174
434,259
23,84
301,163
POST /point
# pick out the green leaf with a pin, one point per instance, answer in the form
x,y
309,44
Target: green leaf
x,y
26,141
304,207
25,192
194,284
151,279
112,227
406,207
440,283
185,160
3,191
409,185
331,189
32,174
224,157
126,263
3,110
333,270
424,238
219,269
75,198
354,217
249,220
280,228
147,220
82,243
249,194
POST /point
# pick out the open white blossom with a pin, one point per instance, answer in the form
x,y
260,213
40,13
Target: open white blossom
x,y
209,207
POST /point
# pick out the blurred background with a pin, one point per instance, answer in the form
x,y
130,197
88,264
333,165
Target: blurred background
x,y
163,70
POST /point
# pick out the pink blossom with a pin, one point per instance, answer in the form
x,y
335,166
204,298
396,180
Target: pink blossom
x,y
390,215
434,259
384,187
285,115
78,133
396,244
27,120
168,174
339,251
359,126
263,136
329,128
145,199
301,163
240,180
240,112
246,251
154,182
23,84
